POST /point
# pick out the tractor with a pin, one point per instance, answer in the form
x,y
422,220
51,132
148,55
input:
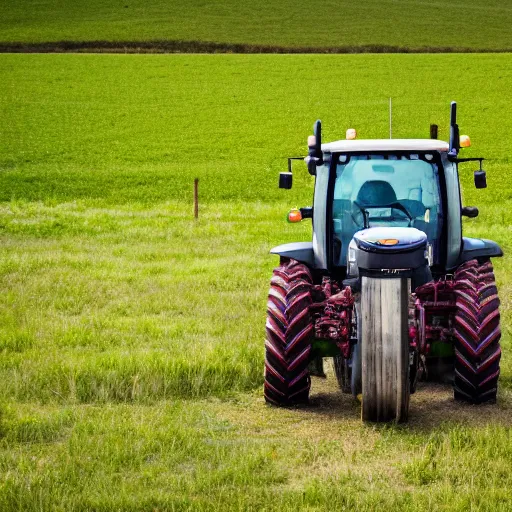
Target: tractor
x,y
388,286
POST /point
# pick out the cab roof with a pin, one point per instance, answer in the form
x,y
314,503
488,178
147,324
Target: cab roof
x,y
367,145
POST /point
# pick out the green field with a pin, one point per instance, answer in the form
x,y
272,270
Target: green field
x,y
131,339
469,24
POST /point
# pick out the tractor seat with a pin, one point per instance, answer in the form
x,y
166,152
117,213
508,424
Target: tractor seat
x,y
381,193
376,193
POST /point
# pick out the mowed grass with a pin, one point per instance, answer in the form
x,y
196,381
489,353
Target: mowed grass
x,y
131,341
242,455
276,23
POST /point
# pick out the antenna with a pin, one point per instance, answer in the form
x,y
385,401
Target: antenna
x,y
390,118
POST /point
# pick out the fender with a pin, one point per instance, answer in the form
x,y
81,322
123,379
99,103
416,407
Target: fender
x,y
300,251
477,248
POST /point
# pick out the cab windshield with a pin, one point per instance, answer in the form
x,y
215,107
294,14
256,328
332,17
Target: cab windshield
x,y
385,190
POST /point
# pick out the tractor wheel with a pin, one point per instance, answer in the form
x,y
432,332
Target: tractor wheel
x,y
343,372
477,333
385,349
289,331
348,370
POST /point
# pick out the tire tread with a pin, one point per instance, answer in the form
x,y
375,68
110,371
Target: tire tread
x,y
477,333
289,330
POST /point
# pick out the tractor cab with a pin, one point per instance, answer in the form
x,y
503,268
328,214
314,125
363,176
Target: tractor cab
x,y
363,184
392,188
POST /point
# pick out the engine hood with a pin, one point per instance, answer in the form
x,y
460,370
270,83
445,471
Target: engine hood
x,y
390,239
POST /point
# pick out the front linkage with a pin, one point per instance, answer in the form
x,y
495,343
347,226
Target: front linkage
x,y
456,314
331,312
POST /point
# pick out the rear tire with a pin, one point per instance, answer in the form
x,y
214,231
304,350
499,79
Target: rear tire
x,y
477,334
289,330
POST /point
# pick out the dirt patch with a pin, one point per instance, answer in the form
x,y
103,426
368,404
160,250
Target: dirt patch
x,y
326,438
333,414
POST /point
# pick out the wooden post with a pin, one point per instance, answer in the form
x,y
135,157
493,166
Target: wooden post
x,y
433,131
196,198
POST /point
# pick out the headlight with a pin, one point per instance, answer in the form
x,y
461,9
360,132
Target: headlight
x,y
352,268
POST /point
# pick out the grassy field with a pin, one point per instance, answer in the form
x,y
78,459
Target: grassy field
x,y
131,340
449,24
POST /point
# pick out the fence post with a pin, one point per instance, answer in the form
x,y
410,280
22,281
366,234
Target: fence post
x,y
196,198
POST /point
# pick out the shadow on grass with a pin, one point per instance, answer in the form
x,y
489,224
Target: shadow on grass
x,y
170,46
431,406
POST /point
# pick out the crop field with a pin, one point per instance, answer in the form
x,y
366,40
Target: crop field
x,y
131,335
354,26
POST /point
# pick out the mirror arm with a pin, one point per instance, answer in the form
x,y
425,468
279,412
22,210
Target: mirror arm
x,y
290,158
306,212
312,163
461,160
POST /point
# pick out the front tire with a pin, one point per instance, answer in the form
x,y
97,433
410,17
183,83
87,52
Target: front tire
x,y
385,349
477,333
289,331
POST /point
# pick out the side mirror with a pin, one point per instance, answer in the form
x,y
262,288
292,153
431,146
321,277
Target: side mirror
x,y
469,211
480,179
285,180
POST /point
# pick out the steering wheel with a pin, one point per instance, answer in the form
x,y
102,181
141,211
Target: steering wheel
x,y
396,206
403,209
366,215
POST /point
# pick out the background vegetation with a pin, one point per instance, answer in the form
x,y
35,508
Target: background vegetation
x,y
131,340
469,24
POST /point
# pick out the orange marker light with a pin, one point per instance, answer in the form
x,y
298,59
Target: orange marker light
x,y
294,215
465,141
351,134
388,241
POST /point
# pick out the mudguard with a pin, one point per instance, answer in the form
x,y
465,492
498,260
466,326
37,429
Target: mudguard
x,y
300,251
477,248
